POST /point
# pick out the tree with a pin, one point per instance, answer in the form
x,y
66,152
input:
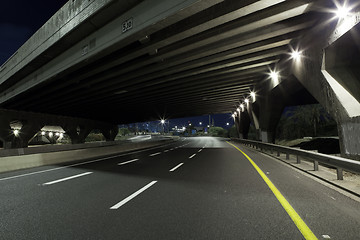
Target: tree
x,y
124,131
307,120
217,132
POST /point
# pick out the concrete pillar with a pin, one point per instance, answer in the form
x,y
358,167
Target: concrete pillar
x,y
329,71
6,134
237,125
244,124
27,132
110,133
271,106
253,114
76,133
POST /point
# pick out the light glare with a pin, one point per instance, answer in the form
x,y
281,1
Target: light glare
x,y
342,12
296,55
252,94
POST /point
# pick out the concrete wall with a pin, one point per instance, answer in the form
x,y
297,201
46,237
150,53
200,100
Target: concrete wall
x,y
68,153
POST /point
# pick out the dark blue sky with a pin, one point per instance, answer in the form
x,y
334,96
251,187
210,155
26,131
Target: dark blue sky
x,y
20,19
220,120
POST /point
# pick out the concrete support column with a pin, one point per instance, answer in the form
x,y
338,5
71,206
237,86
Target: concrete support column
x,y
6,135
253,114
111,133
271,107
76,133
244,124
237,125
26,133
334,97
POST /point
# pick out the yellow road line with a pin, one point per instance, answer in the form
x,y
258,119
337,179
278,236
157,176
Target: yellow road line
x,y
301,225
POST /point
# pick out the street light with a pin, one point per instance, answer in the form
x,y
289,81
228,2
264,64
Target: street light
x,y
200,123
342,12
162,121
295,55
253,95
242,107
274,76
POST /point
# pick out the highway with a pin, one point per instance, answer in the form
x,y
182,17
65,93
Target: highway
x,y
194,188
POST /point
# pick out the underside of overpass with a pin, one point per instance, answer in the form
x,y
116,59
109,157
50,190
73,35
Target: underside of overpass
x,y
141,60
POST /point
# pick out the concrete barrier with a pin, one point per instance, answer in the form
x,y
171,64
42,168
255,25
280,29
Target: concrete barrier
x,y
12,163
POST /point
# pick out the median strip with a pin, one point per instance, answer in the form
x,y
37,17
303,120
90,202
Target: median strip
x,y
173,169
68,178
121,203
123,163
300,224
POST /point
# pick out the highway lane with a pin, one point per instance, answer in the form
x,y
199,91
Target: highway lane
x,y
212,192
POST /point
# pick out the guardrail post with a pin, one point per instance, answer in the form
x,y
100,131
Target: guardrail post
x,y
298,161
271,151
287,156
278,154
316,166
339,173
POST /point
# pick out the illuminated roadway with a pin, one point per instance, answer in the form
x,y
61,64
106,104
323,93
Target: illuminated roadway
x,y
195,188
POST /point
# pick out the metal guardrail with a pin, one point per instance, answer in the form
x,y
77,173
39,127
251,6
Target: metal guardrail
x,y
338,162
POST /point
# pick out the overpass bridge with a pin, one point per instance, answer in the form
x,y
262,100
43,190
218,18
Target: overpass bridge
x,y
126,61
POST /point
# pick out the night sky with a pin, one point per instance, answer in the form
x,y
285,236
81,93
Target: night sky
x,y
20,19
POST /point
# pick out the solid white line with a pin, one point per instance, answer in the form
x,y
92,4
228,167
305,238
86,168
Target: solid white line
x,y
154,154
173,169
200,150
116,206
123,163
68,178
192,155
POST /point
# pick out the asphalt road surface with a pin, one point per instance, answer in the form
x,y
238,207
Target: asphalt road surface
x,y
195,188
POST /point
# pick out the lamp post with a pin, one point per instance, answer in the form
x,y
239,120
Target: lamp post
x,y
162,121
